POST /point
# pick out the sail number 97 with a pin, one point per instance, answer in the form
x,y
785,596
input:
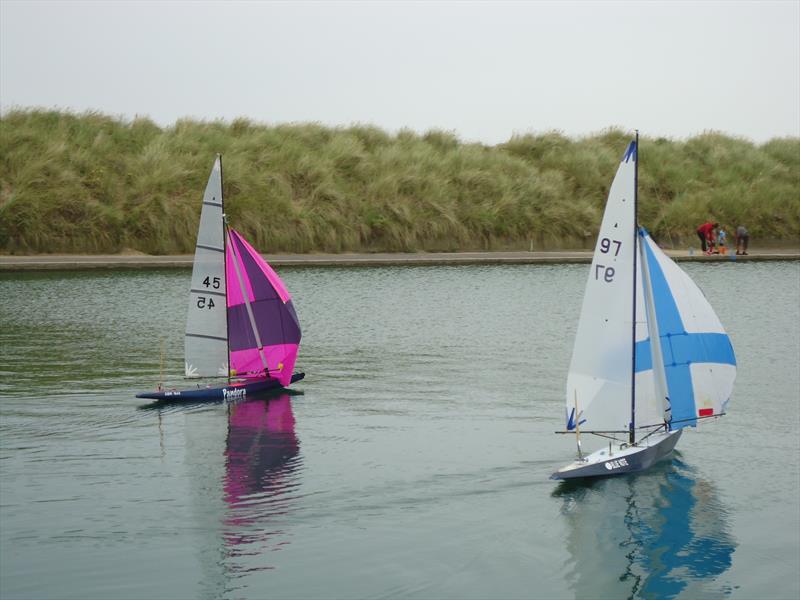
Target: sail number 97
x,y
604,273
605,246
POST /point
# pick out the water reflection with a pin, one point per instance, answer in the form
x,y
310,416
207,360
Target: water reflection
x,y
262,465
243,482
659,534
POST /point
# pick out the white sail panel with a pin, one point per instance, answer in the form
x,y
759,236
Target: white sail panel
x,y
698,357
695,311
652,398
206,345
601,366
712,385
649,400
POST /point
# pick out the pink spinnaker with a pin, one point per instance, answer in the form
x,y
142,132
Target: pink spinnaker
x,y
263,329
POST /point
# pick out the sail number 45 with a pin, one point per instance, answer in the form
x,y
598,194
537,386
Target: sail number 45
x,y
203,302
208,281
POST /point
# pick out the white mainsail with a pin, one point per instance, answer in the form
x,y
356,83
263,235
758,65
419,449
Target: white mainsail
x,y
206,341
600,370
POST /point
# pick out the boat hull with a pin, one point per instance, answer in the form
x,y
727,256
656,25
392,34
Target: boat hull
x,y
621,460
227,392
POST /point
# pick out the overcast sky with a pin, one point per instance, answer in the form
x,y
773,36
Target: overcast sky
x,y
482,70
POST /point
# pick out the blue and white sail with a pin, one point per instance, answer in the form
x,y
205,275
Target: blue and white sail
x,y
675,328
699,364
650,355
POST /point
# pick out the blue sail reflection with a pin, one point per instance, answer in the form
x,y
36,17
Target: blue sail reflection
x,y
261,468
658,534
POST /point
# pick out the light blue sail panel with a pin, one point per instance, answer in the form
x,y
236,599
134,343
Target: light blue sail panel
x,y
679,347
687,348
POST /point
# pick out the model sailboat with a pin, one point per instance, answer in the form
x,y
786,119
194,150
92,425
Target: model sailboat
x,y
650,355
241,324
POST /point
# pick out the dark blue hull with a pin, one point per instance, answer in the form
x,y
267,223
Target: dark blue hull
x,y
630,461
236,391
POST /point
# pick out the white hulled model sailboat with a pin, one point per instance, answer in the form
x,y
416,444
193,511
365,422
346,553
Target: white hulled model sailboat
x,y
650,354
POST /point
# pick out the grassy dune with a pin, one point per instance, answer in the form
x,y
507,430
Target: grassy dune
x,y
92,183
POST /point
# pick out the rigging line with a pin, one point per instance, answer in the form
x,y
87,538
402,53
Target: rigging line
x,y
663,425
225,243
632,426
698,418
598,432
603,435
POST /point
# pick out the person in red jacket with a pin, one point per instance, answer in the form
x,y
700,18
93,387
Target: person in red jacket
x,y
706,234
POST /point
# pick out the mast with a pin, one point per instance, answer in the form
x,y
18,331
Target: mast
x,y
632,431
224,254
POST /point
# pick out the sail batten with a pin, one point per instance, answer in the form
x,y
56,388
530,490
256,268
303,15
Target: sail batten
x,y
207,292
212,248
209,337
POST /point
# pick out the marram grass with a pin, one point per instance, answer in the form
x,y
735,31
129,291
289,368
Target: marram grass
x,y
90,183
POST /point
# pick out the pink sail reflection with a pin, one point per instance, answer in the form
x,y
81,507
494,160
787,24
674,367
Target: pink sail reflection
x,y
261,440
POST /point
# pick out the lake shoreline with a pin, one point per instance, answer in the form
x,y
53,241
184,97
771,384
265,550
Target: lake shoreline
x,y
80,262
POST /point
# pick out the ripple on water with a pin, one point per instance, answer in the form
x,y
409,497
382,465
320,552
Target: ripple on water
x,y
415,463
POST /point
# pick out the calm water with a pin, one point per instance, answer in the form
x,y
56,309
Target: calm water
x,y
415,463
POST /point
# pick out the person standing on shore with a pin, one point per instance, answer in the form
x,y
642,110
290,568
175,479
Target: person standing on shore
x,y
721,237
742,239
706,234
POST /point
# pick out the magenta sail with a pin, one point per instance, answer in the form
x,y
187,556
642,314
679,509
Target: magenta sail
x,y
263,330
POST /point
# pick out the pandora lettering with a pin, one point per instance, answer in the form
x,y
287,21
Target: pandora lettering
x,y
240,393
